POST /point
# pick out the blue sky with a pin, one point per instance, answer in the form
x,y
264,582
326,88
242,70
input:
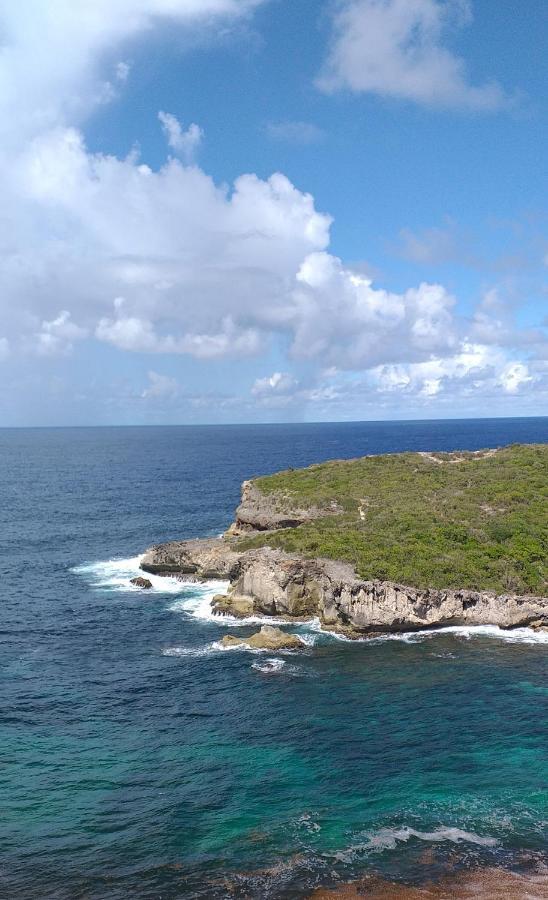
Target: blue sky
x,y
243,210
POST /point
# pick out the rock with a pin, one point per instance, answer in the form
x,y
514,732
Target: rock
x,y
268,638
141,582
206,558
232,605
277,583
266,512
289,585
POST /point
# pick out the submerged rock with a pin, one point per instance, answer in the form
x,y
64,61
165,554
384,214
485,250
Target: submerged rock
x,y
141,582
268,638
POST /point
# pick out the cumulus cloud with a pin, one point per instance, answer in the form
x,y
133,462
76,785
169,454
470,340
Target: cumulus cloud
x,y
395,48
185,143
57,336
53,53
474,368
164,260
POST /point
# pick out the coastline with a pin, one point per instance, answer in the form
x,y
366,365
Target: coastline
x,y
486,883
290,587
268,579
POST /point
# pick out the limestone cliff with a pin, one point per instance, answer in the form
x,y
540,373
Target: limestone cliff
x,y
267,512
352,500
281,584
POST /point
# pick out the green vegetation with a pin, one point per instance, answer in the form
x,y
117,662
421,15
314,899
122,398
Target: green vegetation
x,y
438,520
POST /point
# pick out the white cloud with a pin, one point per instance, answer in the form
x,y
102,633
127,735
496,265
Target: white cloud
x,y
475,368
514,376
340,318
4,348
52,53
57,336
185,143
161,387
295,132
395,48
165,261
277,383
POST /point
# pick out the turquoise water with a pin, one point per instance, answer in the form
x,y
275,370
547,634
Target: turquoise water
x,y
138,759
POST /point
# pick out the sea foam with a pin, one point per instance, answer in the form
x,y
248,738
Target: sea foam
x,y
116,574
390,838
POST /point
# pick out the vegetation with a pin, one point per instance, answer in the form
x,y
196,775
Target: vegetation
x,y
439,520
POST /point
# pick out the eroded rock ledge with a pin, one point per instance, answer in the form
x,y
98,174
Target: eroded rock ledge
x,y
276,583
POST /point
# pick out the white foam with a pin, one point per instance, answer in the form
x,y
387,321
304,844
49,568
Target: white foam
x,y
116,575
269,666
389,838
468,632
208,650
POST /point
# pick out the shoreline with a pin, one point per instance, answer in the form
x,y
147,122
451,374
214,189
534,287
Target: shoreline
x,y
480,884
291,588
273,570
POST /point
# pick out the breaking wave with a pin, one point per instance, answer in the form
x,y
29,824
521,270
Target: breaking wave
x,y
469,632
390,838
115,575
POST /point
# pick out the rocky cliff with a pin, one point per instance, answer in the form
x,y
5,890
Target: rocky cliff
x,y
281,584
267,512
357,501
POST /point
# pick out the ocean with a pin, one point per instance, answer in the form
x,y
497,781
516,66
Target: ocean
x,y
140,760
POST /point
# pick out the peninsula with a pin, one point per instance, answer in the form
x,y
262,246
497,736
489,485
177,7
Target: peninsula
x,y
385,543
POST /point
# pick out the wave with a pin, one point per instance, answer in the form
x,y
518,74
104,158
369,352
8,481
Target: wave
x,y
276,666
208,650
116,574
390,838
270,666
469,632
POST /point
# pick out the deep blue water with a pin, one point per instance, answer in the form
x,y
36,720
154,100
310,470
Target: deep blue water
x,y
136,760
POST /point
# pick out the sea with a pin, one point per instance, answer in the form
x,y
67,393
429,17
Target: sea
x,y
139,759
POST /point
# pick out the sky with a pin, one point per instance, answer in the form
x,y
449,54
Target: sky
x,y
272,210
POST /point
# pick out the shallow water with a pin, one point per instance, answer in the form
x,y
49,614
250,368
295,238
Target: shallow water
x,y
140,759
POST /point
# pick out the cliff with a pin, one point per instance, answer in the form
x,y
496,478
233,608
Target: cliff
x,y
503,492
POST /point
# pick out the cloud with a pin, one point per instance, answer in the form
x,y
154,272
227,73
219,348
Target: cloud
x,y
4,348
54,53
57,336
343,320
277,383
474,369
182,142
165,261
295,132
161,387
395,48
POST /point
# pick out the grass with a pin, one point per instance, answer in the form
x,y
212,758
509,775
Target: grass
x,y
437,520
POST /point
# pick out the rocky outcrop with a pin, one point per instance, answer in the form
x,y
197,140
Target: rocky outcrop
x,y
268,638
206,558
292,586
232,605
275,583
141,582
266,512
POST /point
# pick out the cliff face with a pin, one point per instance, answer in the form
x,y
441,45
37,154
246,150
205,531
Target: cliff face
x,y
281,584
267,512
